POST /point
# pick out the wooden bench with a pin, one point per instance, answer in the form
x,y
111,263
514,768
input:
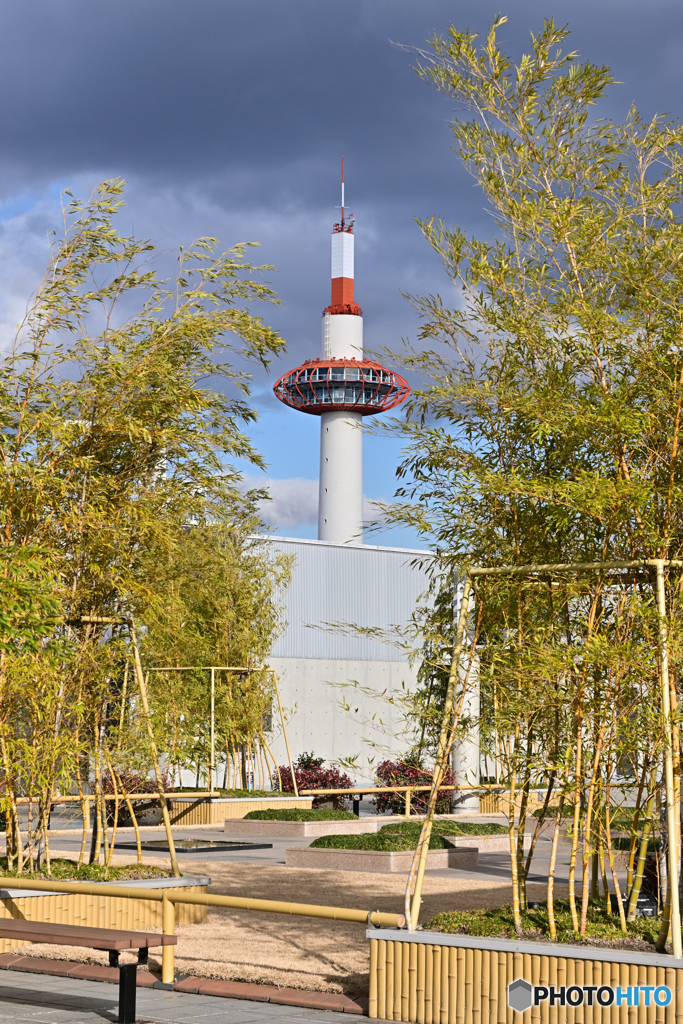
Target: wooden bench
x,y
110,939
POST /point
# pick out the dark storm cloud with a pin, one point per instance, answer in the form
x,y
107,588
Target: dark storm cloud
x,y
229,119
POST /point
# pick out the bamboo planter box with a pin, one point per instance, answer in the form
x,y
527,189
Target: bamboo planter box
x,y
431,978
374,860
100,911
215,810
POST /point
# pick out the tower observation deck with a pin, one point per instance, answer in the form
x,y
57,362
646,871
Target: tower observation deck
x,y
341,387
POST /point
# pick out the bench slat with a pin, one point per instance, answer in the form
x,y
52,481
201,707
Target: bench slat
x,y
79,935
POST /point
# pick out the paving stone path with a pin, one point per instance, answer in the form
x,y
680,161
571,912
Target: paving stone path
x,y
41,999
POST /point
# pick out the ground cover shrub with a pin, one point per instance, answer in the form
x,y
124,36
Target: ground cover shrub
x,y
499,922
384,841
410,773
300,814
447,828
311,774
63,867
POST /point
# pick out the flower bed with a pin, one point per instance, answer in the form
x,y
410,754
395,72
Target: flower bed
x,y
300,814
296,823
380,859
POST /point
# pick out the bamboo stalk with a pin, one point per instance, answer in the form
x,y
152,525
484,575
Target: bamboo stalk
x,y
284,733
419,863
552,926
157,767
634,892
610,852
673,826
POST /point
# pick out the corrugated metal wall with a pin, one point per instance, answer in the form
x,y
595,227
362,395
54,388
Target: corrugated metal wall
x,y
338,583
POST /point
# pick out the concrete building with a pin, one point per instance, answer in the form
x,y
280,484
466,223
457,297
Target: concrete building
x,y
336,683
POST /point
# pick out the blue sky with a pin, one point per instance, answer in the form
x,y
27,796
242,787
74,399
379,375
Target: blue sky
x,y
229,119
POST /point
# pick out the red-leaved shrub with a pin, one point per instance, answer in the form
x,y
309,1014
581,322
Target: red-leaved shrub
x,y
310,774
406,773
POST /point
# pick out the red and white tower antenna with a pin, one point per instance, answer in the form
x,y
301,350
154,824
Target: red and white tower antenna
x,y
341,388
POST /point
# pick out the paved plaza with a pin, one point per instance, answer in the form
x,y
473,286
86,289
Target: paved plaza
x,y
46,1000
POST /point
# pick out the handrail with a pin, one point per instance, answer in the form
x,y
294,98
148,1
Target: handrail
x,y
485,786
169,898
70,799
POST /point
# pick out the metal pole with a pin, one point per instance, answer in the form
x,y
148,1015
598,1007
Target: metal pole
x,y
673,827
284,732
212,765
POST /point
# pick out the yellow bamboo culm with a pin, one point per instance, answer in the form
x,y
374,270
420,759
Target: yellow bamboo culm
x,y
382,980
436,985
460,1018
168,952
405,982
398,979
452,985
412,990
372,995
420,1015
389,975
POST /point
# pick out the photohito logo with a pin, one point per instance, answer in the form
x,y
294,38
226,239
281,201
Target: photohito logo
x,y
522,996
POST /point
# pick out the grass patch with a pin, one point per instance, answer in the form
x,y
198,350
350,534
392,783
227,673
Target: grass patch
x,y
388,842
300,814
62,867
448,828
499,922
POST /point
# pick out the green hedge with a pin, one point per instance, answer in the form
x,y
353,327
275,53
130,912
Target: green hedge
x,y
386,841
299,814
447,828
64,868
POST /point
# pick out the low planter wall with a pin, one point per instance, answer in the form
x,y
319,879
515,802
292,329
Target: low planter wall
x,y
374,860
430,978
488,844
100,911
215,810
301,829
313,829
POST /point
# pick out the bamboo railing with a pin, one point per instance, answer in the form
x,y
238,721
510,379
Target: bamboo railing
x,y
168,899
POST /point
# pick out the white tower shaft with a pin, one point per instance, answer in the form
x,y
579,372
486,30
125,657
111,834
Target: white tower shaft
x,y
340,497
340,492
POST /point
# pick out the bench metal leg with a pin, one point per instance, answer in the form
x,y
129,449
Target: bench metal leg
x,y
127,986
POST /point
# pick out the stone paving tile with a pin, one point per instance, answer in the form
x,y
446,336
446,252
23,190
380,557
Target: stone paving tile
x,y
40,999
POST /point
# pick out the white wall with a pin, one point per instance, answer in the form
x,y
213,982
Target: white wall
x,y
371,730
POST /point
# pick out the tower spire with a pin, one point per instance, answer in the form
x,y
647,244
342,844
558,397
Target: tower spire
x,y
341,388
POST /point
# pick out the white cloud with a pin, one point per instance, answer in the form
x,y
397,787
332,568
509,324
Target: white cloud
x,y
293,502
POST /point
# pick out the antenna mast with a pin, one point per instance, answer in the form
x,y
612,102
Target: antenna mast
x,y
342,197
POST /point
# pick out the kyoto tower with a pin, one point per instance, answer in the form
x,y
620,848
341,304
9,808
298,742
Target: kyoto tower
x,y
341,387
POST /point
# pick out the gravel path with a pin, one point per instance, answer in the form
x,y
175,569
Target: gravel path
x,y
305,953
